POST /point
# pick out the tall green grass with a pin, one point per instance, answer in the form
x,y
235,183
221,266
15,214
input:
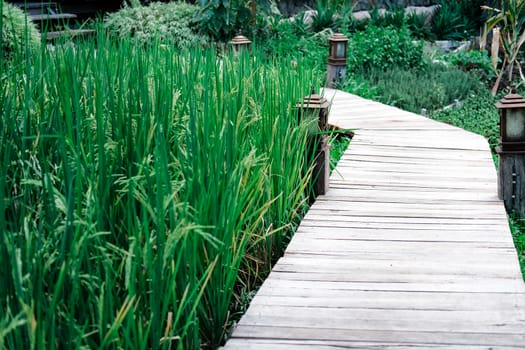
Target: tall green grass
x,y
142,189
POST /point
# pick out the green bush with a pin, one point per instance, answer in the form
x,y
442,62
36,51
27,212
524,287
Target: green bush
x,y
475,61
383,48
16,30
431,87
449,22
300,44
170,22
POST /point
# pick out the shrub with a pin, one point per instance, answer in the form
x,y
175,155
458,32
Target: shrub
x,y
431,87
222,19
449,23
475,61
171,22
16,30
300,44
383,48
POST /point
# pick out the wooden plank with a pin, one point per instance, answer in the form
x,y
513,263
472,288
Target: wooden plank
x,y
384,319
328,334
323,218
382,300
430,235
305,263
284,344
281,283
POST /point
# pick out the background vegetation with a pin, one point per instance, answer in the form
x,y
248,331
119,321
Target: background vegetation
x,y
144,187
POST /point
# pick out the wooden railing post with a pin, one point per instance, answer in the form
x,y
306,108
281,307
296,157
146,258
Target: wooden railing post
x,y
316,106
511,152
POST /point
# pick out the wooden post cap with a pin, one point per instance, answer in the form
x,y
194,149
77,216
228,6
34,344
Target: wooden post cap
x,y
512,100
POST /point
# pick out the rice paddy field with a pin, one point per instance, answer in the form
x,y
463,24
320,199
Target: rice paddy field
x,y
144,191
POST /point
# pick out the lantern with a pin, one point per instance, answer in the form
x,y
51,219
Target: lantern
x,y
336,59
512,123
241,42
338,49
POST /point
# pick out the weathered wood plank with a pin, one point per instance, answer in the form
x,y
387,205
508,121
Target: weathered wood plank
x,y
283,344
362,335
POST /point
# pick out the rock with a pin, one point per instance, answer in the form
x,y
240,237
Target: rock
x,y
361,15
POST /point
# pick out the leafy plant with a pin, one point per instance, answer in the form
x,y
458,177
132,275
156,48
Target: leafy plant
x,y
383,48
223,19
324,17
509,19
17,32
517,226
417,24
475,61
394,17
172,22
431,87
449,23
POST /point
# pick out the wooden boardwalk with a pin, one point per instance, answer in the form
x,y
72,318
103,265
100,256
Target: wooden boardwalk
x,y
410,249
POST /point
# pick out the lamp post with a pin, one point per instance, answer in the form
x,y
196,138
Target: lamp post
x,y
511,151
316,107
337,57
240,42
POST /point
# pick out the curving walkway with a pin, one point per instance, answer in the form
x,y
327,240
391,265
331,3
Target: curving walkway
x,y
410,248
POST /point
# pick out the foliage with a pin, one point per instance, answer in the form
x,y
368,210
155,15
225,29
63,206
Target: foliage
x,y
16,31
477,114
431,87
359,84
392,18
509,18
384,48
141,187
172,22
417,24
300,44
517,226
223,19
475,61
324,16
338,145
449,23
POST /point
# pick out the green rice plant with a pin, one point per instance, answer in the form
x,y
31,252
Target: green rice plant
x,y
137,185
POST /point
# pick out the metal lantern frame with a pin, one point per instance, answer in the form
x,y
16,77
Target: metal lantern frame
x,y
512,111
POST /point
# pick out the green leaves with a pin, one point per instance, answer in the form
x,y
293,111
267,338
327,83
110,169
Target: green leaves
x,y
509,20
172,23
382,48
